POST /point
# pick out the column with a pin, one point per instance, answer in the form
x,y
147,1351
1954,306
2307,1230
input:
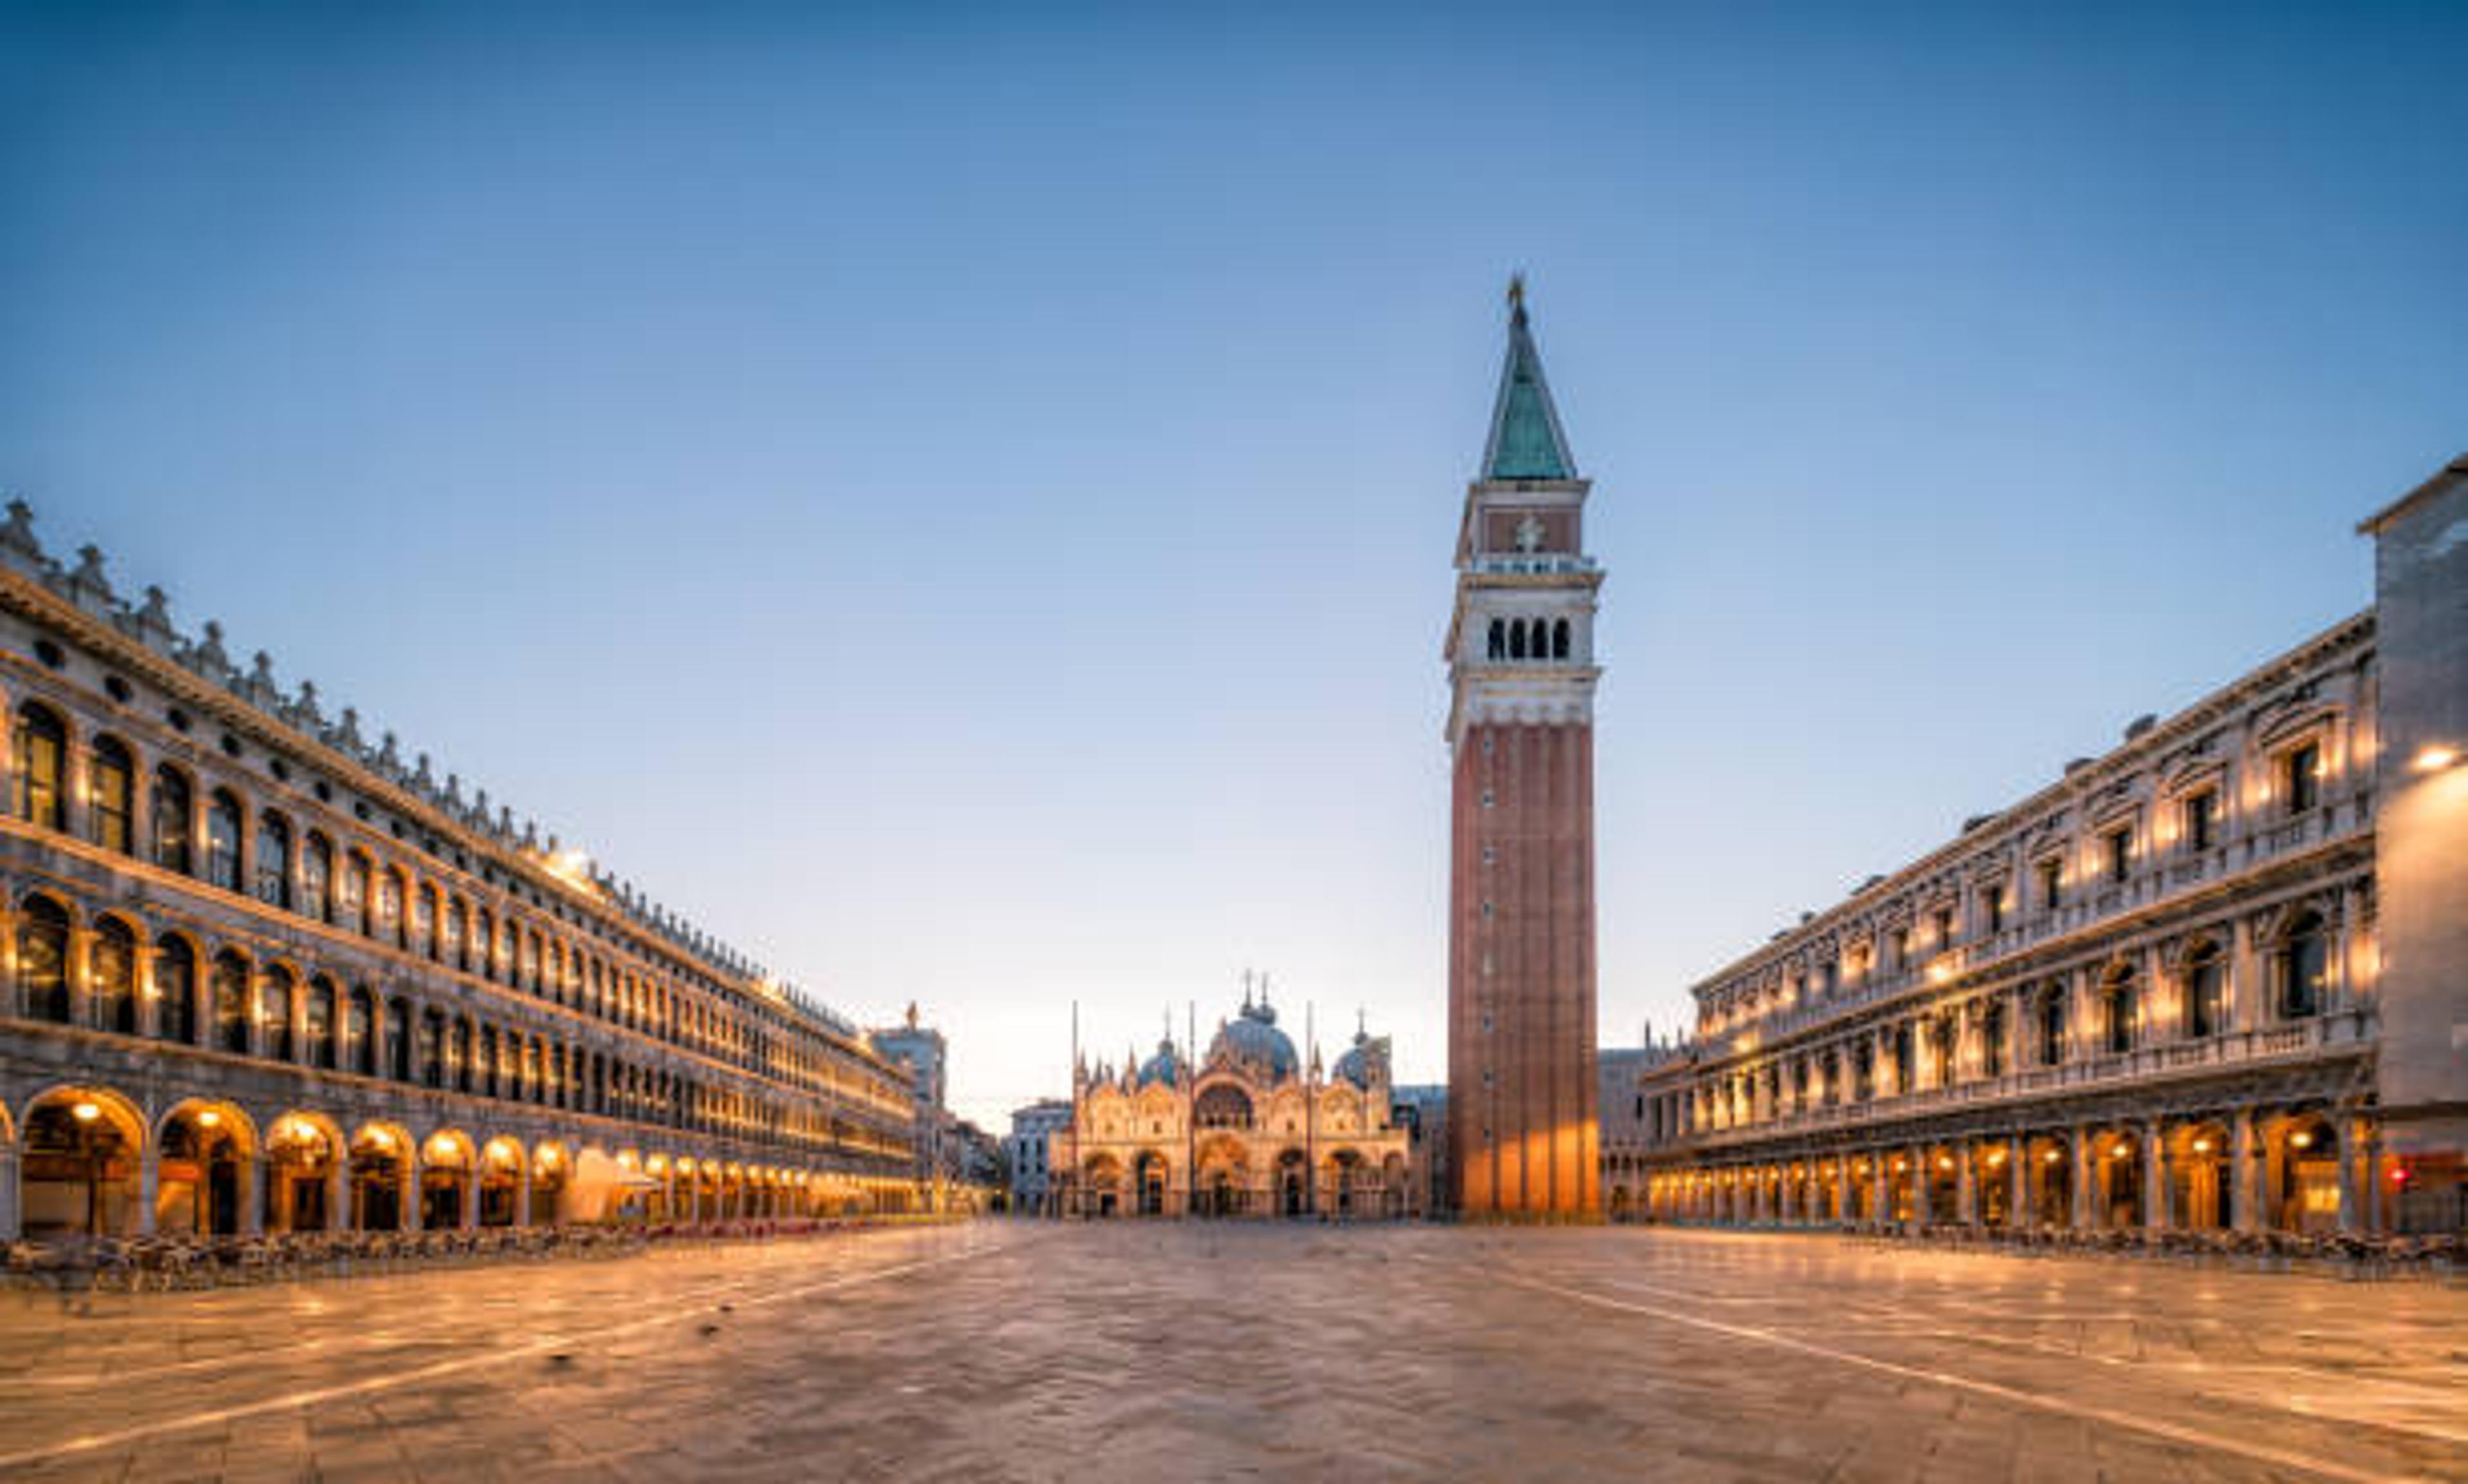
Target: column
x,y
2017,1174
252,1197
2245,977
2081,1218
338,1192
1880,1189
148,1185
2155,1191
10,1228
1843,1188
2245,1175
411,1189
1966,1197
523,1193
2377,1183
2350,1215
471,1197
81,943
1921,1176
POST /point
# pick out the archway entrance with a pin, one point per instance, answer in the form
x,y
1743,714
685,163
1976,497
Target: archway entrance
x,y
198,1175
78,1170
299,1176
377,1167
1148,1177
1293,1196
445,1176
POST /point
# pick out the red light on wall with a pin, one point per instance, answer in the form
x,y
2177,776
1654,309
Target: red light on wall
x,y
2399,1175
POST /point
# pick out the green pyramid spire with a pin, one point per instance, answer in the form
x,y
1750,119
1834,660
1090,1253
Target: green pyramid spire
x,y
1525,438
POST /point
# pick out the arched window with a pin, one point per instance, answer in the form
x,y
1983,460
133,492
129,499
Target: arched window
x,y
114,777
1560,639
169,825
424,920
454,926
223,840
482,934
231,1002
458,1055
2121,1008
2302,967
432,1048
398,1036
1516,640
43,959
39,757
176,991
2052,1025
317,1022
277,1008
351,893
1498,647
2206,984
113,958
389,907
359,1029
274,860
317,877
488,1062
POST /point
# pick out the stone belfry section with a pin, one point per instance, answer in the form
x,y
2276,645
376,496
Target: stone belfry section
x,y
1522,1077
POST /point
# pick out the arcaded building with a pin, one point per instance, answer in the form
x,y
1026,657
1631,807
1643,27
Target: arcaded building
x,y
2216,978
261,973
1252,1129
1520,734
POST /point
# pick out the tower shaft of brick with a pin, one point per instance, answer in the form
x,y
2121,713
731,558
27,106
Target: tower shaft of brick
x,y
1521,1075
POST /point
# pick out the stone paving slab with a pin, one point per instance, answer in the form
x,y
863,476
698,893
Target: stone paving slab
x,y
1135,1351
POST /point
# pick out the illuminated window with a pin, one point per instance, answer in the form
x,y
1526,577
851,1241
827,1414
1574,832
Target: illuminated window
x,y
41,743
2052,1025
43,959
317,877
2303,966
114,959
274,862
2201,819
2121,1008
114,776
170,822
176,991
2205,991
2300,776
223,840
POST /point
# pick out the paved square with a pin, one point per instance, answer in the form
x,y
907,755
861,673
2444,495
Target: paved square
x,y
1151,1350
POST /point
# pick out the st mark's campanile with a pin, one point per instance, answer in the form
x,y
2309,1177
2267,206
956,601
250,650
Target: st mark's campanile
x,y
1521,1080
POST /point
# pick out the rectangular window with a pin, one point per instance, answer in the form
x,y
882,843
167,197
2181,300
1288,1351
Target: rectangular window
x,y
1898,949
2119,844
2202,812
1992,898
2301,775
2052,884
1944,927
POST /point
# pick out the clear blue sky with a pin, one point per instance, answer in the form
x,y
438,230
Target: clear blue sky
x,y
960,502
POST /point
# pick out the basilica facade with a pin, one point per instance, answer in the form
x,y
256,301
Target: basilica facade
x,y
1250,1129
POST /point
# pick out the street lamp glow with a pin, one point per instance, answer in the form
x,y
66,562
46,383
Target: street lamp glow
x,y
87,1111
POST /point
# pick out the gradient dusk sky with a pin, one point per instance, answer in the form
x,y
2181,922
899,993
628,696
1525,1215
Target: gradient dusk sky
x,y
959,502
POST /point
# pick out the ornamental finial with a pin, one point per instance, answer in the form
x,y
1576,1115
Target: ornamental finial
x,y
1517,292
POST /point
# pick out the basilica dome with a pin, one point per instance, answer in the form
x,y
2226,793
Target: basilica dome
x,y
1252,1039
1164,1067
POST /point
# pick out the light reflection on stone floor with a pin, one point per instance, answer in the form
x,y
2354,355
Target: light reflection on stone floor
x,y
1040,1351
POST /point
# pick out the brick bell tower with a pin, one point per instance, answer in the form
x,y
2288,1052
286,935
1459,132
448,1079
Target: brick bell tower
x,y
1522,1132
